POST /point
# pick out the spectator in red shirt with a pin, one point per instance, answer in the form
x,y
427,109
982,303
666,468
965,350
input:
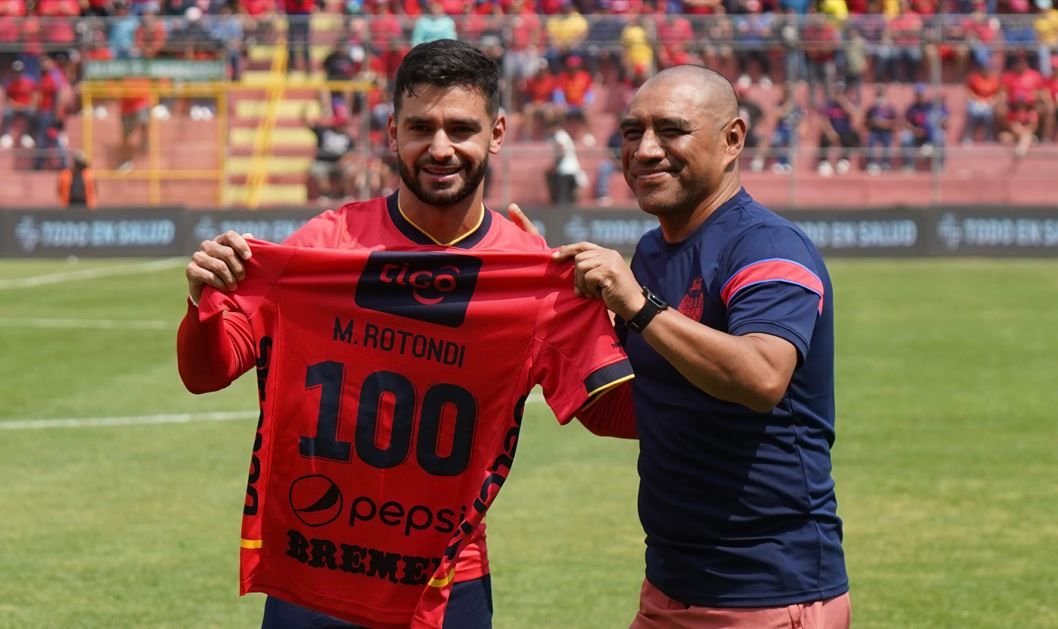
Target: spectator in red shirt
x,y
523,48
1020,125
135,116
573,85
537,92
982,96
821,41
906,30
979,32
51,112
1047,129
10,24
385,26
299,35
151,36
1021,83
57,28
22,97
675,35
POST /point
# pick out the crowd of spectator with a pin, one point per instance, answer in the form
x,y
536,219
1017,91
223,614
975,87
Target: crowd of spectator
x,y
557,53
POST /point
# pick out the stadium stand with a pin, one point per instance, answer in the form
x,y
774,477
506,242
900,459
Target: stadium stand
x,y
243,141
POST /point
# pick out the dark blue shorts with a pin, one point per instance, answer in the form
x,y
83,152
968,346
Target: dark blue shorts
x,y
469,607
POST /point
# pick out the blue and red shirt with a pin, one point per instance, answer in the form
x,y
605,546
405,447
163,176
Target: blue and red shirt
x,y
739,506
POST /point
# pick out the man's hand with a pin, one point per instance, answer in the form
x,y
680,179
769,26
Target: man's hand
x,y
603,273
518,217
218,262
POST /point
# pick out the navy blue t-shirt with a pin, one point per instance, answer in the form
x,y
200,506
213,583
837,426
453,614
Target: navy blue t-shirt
x,y
738,506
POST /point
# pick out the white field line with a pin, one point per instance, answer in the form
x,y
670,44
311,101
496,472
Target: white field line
x,y
134,420
85,324
90,274
143,420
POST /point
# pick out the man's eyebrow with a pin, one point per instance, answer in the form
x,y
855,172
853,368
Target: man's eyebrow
x,y
473,123
679,123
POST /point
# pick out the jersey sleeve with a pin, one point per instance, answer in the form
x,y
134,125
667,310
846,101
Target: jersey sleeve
x,y
773,285
576,354
612,413
322,231
262,271
215,341
212,351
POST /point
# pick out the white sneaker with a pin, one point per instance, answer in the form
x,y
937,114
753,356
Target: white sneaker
x,y
744,81
125,166
195,112
873,169
6,141
765,82
207,113
161,112
101,112
757,165
825,169
843,166
27,142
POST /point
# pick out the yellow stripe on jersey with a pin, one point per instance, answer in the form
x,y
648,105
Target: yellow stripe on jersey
x,y
250,543
595,395
440,583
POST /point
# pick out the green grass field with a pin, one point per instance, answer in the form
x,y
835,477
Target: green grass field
x,y
946,461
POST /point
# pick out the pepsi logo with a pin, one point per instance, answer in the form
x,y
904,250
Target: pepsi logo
x,y
315,500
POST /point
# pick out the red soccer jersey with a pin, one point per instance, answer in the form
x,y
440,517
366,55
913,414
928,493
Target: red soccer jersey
x,y
20,91
392,375
1022,85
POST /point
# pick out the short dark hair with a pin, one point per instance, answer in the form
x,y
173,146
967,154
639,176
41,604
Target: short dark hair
x,y
448,63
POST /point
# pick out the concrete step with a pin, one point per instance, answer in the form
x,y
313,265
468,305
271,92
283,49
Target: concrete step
x,y
240,166
294,80
288,108
294,137
271,194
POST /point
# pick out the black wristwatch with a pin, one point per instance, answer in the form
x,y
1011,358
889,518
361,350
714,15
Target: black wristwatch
x,y
647,313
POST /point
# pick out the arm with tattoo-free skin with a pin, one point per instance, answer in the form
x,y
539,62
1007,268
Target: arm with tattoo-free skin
x,y
211,354
753,370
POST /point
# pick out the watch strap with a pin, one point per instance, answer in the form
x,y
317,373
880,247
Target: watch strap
x,y
647,313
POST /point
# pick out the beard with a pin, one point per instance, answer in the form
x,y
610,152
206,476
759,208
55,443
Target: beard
x,y
447,196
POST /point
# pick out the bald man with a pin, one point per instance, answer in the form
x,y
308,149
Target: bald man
x,y
726,314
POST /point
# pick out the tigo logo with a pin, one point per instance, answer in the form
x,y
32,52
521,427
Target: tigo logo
x,y
431,287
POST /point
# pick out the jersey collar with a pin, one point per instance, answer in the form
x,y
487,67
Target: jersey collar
x,y
415,233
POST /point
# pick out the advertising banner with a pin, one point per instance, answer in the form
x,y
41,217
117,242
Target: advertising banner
x,y
171,69
154,232
898,232
270,225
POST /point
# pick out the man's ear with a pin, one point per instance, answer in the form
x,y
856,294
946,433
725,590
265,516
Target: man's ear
x,y
736,135
391,129
499,131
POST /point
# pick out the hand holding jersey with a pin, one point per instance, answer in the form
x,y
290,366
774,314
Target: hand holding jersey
x,y
218,263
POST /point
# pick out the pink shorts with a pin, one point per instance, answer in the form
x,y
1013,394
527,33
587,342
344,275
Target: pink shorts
x,y
657,611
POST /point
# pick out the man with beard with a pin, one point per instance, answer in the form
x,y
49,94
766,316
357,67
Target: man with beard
x,y
445,125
